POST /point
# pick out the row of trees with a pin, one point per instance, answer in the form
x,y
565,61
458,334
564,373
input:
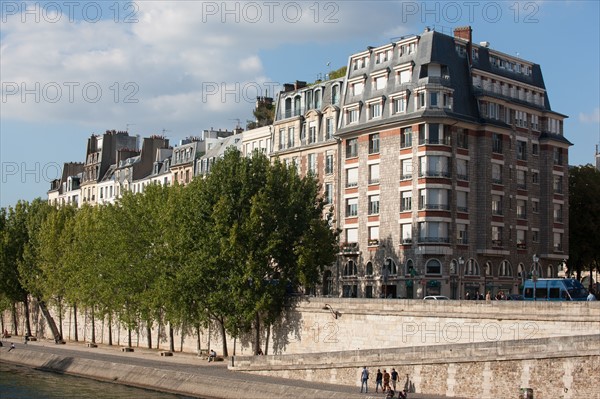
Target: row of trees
x,y
228,249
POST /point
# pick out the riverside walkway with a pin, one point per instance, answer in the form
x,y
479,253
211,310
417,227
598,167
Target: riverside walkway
x,y
182,373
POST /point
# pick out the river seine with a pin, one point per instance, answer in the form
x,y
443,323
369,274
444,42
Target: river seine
x,y
17,382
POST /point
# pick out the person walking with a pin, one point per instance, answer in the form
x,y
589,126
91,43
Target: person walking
x,y
591,296
364,379
386,381
394,375
378,380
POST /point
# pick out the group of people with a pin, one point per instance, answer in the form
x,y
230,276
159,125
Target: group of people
x,y
384,380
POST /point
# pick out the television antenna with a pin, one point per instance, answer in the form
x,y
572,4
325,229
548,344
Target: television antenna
x,y
127,126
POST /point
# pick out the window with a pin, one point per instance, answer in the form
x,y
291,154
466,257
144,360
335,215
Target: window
x,y
357,88
351,148
373,235
318,99
535,122
434,267
281,139
407,169
496,204
404,76
433,198
521,118
406,204
329,164
462,234
472,268
462,139
558,156
558,242
462,201
558,213
352,177
374,204
374,173
374,143
406,137
375,110
497,236
421,99
380,82
291,137
406,233
352,235
335,94
462,169
535,236
521,150
350,269
369,269
557,184
312,163
496,173
535,177
433,232
434,166
433,98
312,133
521,209
328,193
399,105
535,149
351,207
535,204
505,270
328,128
447,100
497,143
521,239
521,179
352,116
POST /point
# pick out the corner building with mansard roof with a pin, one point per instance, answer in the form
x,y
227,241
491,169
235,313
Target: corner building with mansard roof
x,y
453,174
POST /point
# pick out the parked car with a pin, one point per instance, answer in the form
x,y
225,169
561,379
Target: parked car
x,y
436,298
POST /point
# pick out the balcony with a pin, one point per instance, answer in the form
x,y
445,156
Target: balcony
x,y
497,243
434,173
438,207
434,240
521,245
406,241
349,248
373,242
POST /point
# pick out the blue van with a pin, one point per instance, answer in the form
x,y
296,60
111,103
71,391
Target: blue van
x,y
554,289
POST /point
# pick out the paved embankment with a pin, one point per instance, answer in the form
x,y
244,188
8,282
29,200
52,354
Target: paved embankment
x,y
182,373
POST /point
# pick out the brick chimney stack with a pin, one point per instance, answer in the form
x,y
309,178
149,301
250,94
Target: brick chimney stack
x,y
465,33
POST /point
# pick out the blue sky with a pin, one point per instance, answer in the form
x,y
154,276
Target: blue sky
x,y
73,68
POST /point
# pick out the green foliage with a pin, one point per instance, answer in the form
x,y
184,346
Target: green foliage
x,y
584,218
338,73
229,248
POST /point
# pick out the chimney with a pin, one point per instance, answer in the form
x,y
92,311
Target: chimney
x,y
299,85
465,33
288,87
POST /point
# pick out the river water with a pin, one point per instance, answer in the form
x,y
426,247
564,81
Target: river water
x,y
17,382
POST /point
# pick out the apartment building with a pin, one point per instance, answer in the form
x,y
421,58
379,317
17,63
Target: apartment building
x,y
454,171
101,153
304,128
66,190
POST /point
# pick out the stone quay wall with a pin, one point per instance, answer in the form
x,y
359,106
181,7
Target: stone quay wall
x,y
556,367
340,324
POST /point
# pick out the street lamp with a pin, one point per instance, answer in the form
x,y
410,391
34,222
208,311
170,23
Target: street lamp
x,y
461,262
534,273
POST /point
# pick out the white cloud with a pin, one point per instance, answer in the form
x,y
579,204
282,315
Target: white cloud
x,y
592,117
159,68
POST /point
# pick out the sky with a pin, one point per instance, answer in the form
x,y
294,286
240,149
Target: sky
x,y
70,69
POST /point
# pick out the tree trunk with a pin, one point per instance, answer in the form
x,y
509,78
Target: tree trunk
x,y
93,327
60,317
257,337
110,329
15,330
181,341
75,322
57,337
268,327
198,342
171,339
149,333
158,336
129,336
224,337
27,322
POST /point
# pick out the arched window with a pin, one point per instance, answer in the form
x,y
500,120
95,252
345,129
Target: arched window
x,y
433,266
390,265
520,271
297,106
488,268
335,94
550,272
288,108
409,268
369,271
505,269
350,269
453,266
471,268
